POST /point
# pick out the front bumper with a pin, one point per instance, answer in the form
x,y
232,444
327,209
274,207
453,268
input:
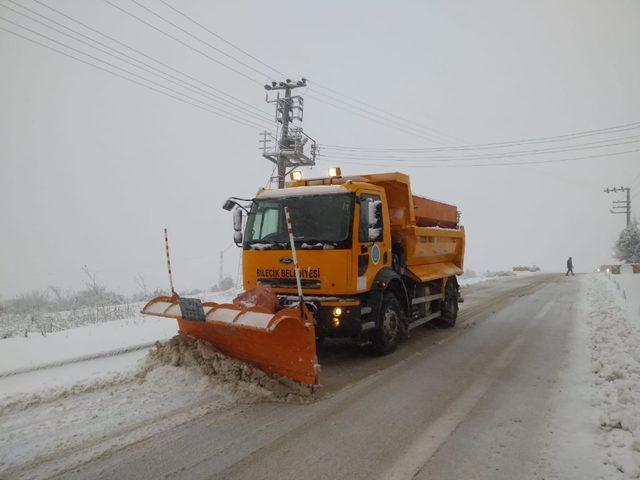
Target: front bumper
x,y
328,323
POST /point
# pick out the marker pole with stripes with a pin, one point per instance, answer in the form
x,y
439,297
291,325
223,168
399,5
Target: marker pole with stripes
x,y
293,254
166,244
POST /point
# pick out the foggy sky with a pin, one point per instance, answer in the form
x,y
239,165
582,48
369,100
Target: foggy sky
x,y
92,167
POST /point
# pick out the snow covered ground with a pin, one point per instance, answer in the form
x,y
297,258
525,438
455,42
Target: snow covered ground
x,y
626,287
614,333
72,395
49,431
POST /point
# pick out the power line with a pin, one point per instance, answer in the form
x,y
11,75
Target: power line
x,y
222,52
380,119
354,109
151,69
367,117
220,37
479,146
614,142
159,62
386,113
494,164
251,79
198,104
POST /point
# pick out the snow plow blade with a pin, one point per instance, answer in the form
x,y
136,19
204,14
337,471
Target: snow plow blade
x,y
283,343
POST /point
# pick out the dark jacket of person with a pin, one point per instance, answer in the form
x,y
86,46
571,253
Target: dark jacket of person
x,y
570,264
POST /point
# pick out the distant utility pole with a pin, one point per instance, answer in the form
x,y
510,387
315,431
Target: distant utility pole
x,y
220,272
294,148
621,206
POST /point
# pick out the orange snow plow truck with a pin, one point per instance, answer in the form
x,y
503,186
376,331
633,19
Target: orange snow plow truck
x,y
370,261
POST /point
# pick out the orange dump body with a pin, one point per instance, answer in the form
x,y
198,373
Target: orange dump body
x,y
431,213
282,344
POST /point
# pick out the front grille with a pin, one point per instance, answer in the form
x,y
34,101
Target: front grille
x,y
291,283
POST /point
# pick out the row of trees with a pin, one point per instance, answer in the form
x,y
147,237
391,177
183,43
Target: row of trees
x,y
627,247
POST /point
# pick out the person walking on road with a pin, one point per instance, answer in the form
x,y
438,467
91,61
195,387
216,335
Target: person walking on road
x,y
569,267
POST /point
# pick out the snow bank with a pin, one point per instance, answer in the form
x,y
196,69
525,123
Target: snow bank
x,y
254,384
626,287
615,358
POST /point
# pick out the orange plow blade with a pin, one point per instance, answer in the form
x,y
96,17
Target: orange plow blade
x,y
283,343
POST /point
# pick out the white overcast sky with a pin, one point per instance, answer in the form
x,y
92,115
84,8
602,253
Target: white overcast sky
x,y
92,166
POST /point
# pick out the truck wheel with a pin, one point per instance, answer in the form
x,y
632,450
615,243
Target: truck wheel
x,y
385,338
449,306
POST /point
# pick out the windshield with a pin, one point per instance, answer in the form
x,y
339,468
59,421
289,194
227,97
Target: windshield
x,y
318,221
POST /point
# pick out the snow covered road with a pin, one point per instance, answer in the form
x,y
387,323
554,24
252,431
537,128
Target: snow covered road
x,y
511,392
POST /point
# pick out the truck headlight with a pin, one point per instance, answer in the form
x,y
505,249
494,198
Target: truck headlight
x,y
337,312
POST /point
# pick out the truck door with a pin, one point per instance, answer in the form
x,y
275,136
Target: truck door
x,y
371,248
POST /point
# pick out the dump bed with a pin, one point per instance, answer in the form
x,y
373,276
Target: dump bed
x,y
432,241
431,213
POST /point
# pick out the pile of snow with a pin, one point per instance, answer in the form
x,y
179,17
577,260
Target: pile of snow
x,y
500,273
615,359
237,376
526,268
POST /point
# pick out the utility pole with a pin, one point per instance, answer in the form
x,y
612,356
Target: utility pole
x,y
220,273
294,148
621,206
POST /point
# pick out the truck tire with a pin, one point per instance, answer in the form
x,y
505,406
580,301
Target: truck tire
x,y
449,305
385,338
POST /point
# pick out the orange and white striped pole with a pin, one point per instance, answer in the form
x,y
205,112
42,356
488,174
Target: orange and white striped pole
x,y
166,245
293,254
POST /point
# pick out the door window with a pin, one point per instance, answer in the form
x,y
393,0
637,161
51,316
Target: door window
x,y
370,226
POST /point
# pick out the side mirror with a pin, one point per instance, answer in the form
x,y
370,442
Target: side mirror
x,y
237,226
237,220
228,205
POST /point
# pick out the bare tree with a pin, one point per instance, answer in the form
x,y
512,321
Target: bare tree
x,y
142,285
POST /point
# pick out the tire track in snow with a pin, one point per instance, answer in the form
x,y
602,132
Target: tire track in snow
x,y
83,358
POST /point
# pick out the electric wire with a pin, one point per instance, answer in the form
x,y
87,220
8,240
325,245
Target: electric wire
x,y
382,120
204,54
613,142
479,146
385,112
546,139
365,116
66,54
139,52
355,110
151,69
204,42
497,164
220,37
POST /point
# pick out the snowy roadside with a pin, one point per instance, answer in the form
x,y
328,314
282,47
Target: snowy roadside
x,y
88,353
626,288
615,360
47,433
